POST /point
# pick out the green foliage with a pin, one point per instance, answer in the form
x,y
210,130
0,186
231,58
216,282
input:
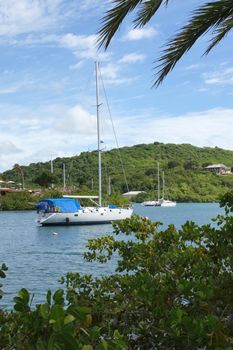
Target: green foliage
x,y
52,325
45,179
17,201
183,166
171,289
51,194
3,269
118,200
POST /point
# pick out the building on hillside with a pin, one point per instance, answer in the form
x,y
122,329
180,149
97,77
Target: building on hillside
x,y
132,194
219,169
5,190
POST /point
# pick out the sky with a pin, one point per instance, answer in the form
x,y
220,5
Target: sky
x,y
47,82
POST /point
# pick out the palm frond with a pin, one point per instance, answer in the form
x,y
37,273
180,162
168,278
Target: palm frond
x,y
207,16
220,33
147,11
113,19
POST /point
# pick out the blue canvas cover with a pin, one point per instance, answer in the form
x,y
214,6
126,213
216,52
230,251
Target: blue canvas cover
x,y
61,205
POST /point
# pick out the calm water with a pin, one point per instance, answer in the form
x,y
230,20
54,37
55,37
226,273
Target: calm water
x,y
36,258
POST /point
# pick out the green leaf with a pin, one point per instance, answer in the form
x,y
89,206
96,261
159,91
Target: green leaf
x,y
48,296
69,341
24,295
40,345
2,274
57,312
20,307
4,267
105,345
51,321
58,296
51,343
44,311
68,319
87,347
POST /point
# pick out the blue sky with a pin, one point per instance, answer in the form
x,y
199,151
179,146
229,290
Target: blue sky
x,y
47,92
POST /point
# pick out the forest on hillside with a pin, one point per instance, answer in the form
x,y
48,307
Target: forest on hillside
x,y
183,166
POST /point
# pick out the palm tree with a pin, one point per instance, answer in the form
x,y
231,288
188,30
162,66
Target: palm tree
x,y
20,172
215,15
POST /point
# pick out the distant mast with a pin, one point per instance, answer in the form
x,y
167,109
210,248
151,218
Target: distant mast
x,y
163,184
109,186
64,176
158,183
98,133
51,164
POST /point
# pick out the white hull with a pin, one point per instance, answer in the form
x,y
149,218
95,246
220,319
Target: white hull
x,y
167,203
151,204
85,216
160,203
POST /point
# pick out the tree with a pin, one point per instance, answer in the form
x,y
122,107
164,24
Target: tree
x,y
45,179
20,172
173,164
214,15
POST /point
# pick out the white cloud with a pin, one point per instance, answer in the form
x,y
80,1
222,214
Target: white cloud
x,y
7,147
132,58
24,16
54,129
8,150
110,71
207,128
77,120
192,67
82,46
113,75
140,33
222,77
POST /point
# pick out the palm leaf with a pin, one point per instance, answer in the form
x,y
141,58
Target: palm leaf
x,y
226,26
147,11
113,19
208,16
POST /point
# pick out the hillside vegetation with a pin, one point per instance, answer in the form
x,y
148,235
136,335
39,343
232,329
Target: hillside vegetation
x,y
183,166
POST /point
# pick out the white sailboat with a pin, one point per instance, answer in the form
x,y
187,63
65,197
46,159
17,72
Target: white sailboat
x,y
166,202
160,202
68,211
154,203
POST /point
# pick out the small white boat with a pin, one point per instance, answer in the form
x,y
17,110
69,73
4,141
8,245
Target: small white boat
x,y
167,203
154,203
160,202
151,204
68,210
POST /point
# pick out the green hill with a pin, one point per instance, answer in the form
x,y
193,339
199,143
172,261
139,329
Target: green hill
x,y
183,166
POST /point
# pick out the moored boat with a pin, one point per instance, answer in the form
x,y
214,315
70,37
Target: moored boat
x,y
69,211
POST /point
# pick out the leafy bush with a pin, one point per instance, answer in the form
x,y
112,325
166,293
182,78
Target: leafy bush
x,y
16,201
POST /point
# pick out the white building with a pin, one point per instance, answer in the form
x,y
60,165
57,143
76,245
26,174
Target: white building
x,y
219,169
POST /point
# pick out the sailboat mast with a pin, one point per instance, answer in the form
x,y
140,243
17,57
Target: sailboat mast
x,y
163,185
158,183
98,133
